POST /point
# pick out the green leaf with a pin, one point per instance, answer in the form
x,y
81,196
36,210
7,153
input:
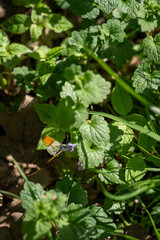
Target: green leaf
x,y
53,131
25,78
114,30
91,88
71,71
115,135
62,3
3,81
45,70
73,114
26,196
35,31
107,6
4,41
79,223
96,130
17,49
119,53
10,61
68,91
46,112
54,53
90,155
112,174
77,194
144,79
57,22
41,53
84,8
127,137
134,8
17,24
26,3
112,207
146,142
80,38
151,47
148,22
104,224
135,169
137,119
121,101
36,16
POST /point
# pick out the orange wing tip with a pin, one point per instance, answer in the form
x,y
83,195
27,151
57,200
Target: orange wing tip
x,y
48,140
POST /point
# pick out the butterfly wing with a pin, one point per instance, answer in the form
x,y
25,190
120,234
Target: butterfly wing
x,y
53,146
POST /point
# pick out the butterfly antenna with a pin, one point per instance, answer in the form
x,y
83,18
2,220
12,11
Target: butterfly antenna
x,y
55,155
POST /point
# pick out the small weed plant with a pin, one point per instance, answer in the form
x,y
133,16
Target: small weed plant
x,y
99,85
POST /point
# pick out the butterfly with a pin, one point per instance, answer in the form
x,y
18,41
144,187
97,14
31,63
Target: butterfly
x,y
55,148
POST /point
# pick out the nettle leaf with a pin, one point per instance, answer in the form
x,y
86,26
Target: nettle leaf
x,y
53,131
96,130
104,224
36,31
77,194
121,101
146,142
68,91
41,53
71,71
118,52
115,136
107,6
92,88
127,138
79,223
80,38
84,8
18,49
144,79
114,30
17,24
54,52
135,169
134,8
45,70
57,22
90,155
113,207
25,77
74,114
112,174
151,47
46,112
62,3
147,22
27,197
4,41
36,16
37,221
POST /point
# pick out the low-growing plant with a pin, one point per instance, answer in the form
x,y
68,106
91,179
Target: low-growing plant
x,y
103,82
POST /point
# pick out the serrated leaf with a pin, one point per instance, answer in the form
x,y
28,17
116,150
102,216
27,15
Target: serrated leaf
x,y
148,22
112,207
84,8
127,137
68,91
40,53
25,77
107,6
17,24
77,194
73,114
4,41
135,169
115,135
104,224
119,53
46,112
112,174
45,70
146,142
144,79
26,196
57,22
18,49
35,31
90,155
151,48
80,225
114,30
121,101
80,38
96,130
133,9
71,71
91,88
